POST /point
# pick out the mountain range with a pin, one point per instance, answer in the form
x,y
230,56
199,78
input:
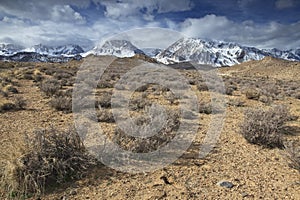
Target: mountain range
x,y
194,50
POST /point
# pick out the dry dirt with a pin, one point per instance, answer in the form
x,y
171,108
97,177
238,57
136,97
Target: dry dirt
x,y
254,171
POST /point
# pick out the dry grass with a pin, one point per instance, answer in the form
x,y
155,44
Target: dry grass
x,y
293,154
252,93
142,123
263,127
48,158
62,103
50,86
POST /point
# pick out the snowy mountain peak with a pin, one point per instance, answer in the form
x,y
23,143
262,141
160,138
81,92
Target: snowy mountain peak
x,y
216,53
119,48
66,50
9,49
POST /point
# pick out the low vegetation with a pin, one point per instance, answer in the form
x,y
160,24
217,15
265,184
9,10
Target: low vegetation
x,y
263,127
293,154
49,158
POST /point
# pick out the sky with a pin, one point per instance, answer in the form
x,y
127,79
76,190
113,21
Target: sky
x,y
257,23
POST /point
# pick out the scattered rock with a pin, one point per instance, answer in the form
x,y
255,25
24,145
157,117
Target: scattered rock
x,y
165,179
244,194
225,184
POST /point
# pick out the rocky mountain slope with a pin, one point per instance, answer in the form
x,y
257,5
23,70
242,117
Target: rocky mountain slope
x,y
40,53
119,48
218,53
207,52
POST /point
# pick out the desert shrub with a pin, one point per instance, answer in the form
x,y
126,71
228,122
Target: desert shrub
x,y
104,100
229,90
139,103
265,99
6,105
205,107
38,78
192,82
68,92
104,84
210,107
143,88
163,136
49,71
62,75
61,103
252,93
201,86
50,86
293,154
10,88
105,115
263,127
236,102
3,93
19,102
50,158
296,95
28,76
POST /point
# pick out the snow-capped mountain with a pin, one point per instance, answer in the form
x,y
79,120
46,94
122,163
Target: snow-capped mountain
x,y
217,53
66,50
119,48
36,57
40,53
293,54
9,49
152,52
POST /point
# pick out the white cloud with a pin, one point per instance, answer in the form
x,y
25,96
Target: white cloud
x,y
125,8
54,33
12,21
36,9
65,13
282,4
247,33
149,37
209,26
58,22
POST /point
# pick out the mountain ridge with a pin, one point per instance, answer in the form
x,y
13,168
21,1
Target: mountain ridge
x,y
194,50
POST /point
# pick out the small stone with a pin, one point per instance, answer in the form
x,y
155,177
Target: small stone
x,y
225,184
244,194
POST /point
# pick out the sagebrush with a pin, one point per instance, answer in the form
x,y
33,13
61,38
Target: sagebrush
x,y
49,158
263,127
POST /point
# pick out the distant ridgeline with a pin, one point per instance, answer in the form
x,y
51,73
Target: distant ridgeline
x,y
193,50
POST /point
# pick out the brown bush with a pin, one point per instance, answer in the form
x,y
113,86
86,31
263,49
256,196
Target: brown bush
x,y
293,154
51,157
139,103
6,105
252,93
19,102
205,107
104,100
263,127
236,102
61,103
265,99
201,86
143,145
50,86
104,84
105,115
